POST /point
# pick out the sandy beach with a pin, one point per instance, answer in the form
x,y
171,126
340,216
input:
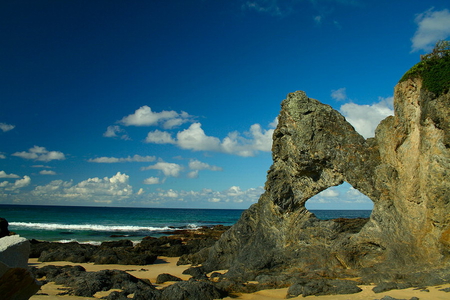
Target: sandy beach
x,y
168,265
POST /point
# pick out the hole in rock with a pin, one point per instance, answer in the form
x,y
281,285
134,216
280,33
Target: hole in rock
x,y
342,201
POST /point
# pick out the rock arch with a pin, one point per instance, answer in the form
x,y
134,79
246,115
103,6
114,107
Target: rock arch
x,y
402,170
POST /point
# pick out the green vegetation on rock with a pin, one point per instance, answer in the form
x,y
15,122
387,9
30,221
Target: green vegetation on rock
x,y
434,69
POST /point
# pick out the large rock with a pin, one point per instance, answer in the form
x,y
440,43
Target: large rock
x,y
14,251
16,281
404,170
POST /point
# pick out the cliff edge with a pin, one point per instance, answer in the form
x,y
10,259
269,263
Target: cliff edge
x,y
404,170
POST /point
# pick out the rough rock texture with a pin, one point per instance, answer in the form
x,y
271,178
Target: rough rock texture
x,y
404,170
14,251
16,282
86,284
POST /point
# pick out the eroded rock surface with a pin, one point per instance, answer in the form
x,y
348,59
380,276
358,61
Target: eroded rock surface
x,y
405,170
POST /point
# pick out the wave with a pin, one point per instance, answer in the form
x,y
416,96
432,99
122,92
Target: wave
x,y
88,227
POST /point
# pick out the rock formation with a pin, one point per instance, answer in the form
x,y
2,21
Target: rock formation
x,y
404,170
16,281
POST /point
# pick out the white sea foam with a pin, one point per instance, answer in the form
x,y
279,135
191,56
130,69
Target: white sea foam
x,y
96,243
87,227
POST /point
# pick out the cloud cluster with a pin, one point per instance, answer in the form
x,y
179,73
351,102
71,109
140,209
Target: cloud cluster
x,y
144,116
40,154
115,131
6,127
175,170
168,169
196,166
93,190
195,139
7,186
203,198
364,118
116,190
4,175
339,197
110,160
432,26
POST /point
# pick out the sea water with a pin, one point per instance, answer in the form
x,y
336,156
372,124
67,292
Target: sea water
x,y
97,224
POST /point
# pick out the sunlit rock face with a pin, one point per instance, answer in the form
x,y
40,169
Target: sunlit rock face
x,y
405,170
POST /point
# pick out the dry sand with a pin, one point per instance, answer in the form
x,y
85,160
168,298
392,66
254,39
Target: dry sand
x,y
168,265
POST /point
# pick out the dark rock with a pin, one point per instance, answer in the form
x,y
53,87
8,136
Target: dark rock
x,y
166,277
196,272
189,290
86,284
322,287
447,290
115,244
117,296
73,252
3,227
17,283
385,286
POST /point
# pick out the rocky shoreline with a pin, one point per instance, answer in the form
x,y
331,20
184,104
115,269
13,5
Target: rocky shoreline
x,y
203,284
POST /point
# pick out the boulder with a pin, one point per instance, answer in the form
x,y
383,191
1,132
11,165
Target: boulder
x,y
14,251
166,277
86,284
3,227
186,290
16,281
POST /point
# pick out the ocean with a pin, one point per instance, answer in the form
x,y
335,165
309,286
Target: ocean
x,y
97,224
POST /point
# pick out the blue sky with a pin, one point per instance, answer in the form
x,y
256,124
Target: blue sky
x,y
173,103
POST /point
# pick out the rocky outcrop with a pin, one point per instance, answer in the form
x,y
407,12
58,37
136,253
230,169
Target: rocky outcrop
x,y
181,242
404,170
16,282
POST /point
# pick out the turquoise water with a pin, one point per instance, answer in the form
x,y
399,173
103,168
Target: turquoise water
x,y
97,224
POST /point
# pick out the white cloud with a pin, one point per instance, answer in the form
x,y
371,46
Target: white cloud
x,y
159,137
432,26
168,169
339,94
13,187
114,131
4,175
92,190
6,127
365,118
194,138
343,196
151,180
47,172
40,154
2,156
144,116
135,158
233,195
195,164
193,174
